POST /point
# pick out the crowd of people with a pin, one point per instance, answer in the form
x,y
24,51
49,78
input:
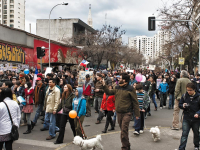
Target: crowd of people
x,y
113,94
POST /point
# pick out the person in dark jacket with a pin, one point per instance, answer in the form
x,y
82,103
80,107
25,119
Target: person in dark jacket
x,y
196,81
98,97
172,85
190,103
66,105
152,89
39,95
125,102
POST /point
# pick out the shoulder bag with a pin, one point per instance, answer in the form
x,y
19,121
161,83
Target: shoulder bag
x,y
14,130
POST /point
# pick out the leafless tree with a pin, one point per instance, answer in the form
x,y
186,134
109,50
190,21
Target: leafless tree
x,y
183,34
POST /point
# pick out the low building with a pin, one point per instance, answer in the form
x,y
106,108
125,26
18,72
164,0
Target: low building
x,y
20,47
62,30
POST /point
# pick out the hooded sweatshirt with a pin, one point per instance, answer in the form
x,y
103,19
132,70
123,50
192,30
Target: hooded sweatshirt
x,y
79,103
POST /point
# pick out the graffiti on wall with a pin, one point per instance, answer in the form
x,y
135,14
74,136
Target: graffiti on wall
x,y
11,53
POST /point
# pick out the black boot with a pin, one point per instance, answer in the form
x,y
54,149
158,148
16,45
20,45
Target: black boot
x,y
106,127
32,125
112,126
28,129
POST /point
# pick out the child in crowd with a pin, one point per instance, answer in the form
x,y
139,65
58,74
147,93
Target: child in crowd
x,y
143,99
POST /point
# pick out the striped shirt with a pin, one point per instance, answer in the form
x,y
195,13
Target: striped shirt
x,y
140,98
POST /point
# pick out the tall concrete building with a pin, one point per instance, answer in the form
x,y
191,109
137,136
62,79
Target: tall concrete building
x,y
160,39
150,47
90,23
143,45
12,13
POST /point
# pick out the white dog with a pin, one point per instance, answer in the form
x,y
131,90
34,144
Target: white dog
x,y
88,144
155,133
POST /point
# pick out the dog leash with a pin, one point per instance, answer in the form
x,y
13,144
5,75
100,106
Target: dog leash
x,y
84,137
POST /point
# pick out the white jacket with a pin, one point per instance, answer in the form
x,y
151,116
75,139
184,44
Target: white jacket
x,y
5,122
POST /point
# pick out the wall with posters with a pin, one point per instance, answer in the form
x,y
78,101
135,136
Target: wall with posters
x,y
59,53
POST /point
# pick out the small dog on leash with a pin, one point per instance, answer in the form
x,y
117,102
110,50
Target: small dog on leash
x,y
155,131
90,144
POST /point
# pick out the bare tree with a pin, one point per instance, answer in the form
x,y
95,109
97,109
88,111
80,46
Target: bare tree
x,y
105,43
183,34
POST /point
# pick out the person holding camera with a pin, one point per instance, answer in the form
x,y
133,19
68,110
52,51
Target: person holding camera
x,y
190,103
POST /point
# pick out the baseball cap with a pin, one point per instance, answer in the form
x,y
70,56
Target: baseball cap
x,y
38,78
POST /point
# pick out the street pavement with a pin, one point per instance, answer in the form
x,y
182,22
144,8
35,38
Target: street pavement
x,y
170,139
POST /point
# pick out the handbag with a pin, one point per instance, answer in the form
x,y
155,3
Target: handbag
x,y
14,134
66,110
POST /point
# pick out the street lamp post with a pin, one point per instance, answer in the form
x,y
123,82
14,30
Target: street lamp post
x,y
49,31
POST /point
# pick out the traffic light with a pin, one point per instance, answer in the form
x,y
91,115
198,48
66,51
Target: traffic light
x,y
194,60
151,23
40,52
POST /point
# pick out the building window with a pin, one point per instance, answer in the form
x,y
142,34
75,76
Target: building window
x,y
11,1
11,16
5,6
5,11
11,25
11,21
5,17
5,1
18,26
11,11
11,6
18,21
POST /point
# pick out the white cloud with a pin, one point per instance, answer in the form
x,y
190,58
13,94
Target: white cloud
x,y
131,14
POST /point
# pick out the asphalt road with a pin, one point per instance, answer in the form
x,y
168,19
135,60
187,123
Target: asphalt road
x,y
163,118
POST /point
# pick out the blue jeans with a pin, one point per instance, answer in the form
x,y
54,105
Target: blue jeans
x,y
154,100
171,101
38,111
187,124
115,116
139,124
50,123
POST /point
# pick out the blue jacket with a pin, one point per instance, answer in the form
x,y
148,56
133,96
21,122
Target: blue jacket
x,y
132,82
163,88
81,111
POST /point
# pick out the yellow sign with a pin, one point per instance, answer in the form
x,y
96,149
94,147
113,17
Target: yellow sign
x,y
11,54
181,61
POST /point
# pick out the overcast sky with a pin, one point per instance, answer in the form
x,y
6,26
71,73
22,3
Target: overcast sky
x,y
131,14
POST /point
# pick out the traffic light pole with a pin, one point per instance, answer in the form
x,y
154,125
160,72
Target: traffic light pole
x,y
185,21
41,63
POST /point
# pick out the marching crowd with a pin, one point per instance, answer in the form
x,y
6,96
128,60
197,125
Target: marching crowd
x,y
116,95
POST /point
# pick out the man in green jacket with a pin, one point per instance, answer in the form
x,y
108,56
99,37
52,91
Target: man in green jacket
x,y
180,89
125,102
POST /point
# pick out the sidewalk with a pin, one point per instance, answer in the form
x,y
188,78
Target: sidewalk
x,y
170,140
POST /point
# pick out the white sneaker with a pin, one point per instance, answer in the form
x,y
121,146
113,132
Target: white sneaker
x,y
141,131
160,107
136,133
164,106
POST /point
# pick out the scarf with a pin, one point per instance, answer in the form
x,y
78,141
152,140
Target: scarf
x,y
37,94
123,84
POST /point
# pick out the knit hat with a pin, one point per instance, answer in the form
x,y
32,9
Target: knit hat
x,y
105,72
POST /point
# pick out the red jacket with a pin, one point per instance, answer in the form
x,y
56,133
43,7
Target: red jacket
x,y
109,103
29,96
87,91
